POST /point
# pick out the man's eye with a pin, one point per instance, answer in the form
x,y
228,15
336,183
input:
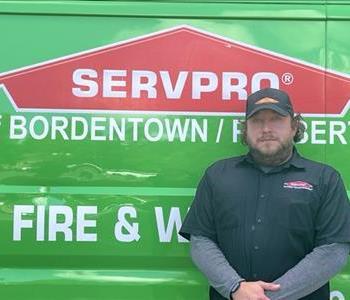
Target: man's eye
x,y
276,118
256,121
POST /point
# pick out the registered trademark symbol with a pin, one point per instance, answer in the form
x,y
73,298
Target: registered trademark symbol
x,y
287,78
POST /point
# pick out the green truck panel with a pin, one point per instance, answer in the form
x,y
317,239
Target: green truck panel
x,y
96,216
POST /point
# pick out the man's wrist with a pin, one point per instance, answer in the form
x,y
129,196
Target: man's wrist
x,y
235,288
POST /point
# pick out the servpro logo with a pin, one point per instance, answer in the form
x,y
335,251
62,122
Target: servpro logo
x,y
181,70
152,83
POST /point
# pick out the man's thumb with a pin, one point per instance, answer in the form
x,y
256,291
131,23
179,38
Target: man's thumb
x,y
269,286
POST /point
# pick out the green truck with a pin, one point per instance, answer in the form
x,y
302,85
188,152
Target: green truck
x,y
110,111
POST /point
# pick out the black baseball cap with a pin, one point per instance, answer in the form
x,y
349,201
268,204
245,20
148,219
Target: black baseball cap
x,y
269,98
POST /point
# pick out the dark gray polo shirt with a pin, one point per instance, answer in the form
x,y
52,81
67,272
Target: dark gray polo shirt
x,y
265,223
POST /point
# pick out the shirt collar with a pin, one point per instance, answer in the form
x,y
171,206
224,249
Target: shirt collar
x,y
296,160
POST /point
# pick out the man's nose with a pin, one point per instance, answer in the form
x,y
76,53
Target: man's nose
x,y
266,127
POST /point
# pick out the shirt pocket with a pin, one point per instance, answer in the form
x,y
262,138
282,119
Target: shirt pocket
x,y
293,215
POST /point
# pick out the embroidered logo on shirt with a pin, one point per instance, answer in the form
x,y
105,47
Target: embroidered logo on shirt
x,y
299,185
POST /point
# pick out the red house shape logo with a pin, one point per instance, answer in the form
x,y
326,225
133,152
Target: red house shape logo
x,y
182,70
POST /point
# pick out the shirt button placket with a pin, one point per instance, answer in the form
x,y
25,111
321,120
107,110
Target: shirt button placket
x,y
257,241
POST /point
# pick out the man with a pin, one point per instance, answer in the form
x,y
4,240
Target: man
x,y
269,224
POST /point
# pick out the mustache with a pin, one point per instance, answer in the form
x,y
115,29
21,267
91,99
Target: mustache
x,y
267,138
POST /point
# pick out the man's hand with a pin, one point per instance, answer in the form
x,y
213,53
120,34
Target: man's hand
x,y
254,290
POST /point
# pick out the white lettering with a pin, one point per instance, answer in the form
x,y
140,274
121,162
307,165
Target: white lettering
x,y
75,136
37,124
18,222
91,86
118,129
95,128
59,124
170,91
109,83
144,81
124,231
316,131
198,87
54,219
337,295
339,133
40,223
175,129
165,233
240,87
83,223
199,130
236,132
157,132
260,76
17,127
135,122
55,226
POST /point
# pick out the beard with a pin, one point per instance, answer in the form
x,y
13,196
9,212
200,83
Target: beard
x,y
268,156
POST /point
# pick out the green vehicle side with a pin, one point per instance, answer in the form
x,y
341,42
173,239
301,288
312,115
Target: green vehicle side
x,y
156,179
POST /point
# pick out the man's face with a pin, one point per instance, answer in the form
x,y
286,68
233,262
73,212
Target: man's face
x,y
269,133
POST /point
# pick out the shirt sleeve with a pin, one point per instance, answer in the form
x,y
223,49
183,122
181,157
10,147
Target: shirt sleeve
x,y
200,217
212,263
333,217
312,272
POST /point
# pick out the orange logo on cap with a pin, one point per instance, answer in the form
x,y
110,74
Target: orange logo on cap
x,y
266,100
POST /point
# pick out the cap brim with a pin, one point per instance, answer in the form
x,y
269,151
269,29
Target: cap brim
x,y
268,106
